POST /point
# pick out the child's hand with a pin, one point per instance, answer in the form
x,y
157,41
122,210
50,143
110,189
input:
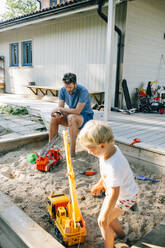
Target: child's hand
x,y
96,189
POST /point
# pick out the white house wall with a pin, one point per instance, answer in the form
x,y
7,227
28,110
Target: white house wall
x,y
75,43
144,43
72,44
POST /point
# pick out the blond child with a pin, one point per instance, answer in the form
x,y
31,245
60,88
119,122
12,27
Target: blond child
x,y
116,178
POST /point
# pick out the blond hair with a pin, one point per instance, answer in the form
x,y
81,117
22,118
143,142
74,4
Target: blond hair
x,y
95,132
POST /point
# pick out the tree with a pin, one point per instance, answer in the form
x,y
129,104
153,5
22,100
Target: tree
x,y
15,8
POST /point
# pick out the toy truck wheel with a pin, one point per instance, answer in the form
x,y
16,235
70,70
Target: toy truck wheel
x,y
56,232
49,218
51,167
66,244
58,235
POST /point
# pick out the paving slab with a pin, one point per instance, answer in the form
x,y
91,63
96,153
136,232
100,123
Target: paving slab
x,y
154,239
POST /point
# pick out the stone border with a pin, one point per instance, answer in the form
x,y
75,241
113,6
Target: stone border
x,y
19,229
152,161
13,143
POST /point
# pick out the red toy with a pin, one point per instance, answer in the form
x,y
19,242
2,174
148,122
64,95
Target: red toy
x,y
49,161
88,173
136,140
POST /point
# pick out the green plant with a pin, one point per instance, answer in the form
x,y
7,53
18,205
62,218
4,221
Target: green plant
x,y
13,110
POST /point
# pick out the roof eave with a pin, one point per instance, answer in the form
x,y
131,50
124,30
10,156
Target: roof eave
x,y
48,14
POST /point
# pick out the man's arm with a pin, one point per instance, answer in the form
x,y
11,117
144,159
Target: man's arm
x,y
75,111
61,104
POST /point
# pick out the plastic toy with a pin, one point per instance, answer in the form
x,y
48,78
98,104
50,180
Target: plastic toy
x,y
49,161
150,100
88,172
48,146
140,177
101,192
63,212
31,158
136,140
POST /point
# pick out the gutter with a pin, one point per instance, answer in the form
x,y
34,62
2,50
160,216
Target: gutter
x,y
105,18
47,13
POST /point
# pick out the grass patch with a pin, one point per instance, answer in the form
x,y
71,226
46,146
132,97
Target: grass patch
x,y
13,110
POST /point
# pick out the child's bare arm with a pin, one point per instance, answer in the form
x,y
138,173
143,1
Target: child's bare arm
x,y
100,182
108,205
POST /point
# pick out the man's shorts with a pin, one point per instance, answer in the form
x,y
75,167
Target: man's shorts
x,y
126,204
87,117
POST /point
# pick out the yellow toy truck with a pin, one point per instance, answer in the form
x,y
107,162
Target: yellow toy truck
x,y
64,212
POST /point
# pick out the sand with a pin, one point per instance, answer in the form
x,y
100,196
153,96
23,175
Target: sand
x,y
29,188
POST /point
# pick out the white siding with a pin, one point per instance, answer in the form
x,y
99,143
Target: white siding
x,y
144,43
75,43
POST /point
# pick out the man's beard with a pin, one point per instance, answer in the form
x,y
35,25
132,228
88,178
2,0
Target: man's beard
x,y
73,91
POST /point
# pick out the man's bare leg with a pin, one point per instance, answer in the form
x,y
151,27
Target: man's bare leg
x,y
74,123
54,124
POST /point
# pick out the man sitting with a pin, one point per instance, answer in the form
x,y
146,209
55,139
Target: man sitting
x,y
79,112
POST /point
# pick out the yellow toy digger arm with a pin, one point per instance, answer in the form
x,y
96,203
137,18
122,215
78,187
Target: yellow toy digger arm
x,y
76,214
153,82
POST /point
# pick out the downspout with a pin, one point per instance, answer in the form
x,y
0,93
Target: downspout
x,y
118,66
39,3
105,18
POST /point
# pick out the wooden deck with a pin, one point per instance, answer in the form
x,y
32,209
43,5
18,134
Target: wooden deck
x,y
149,128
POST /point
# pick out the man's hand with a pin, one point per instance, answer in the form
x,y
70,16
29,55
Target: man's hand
x,y
56,113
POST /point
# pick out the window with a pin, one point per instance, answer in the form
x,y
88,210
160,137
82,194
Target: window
x,y
27,53
14,54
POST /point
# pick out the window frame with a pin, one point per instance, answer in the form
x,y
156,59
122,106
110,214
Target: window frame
x,y
29,52
12,59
